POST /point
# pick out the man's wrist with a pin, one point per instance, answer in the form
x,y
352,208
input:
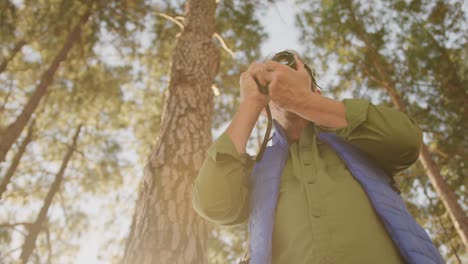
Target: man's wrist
x,y
253,104
302,103
321,110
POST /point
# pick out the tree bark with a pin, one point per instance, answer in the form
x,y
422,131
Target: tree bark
x,y
36,227
165,228
16,160
13,53
446,194
12,132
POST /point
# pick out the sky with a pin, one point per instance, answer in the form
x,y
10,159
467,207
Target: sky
x,y
280,25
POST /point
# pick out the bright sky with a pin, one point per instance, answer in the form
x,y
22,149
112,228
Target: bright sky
x,y
280,25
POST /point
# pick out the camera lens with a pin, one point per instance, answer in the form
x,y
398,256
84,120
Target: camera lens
x,y
283,60
286,58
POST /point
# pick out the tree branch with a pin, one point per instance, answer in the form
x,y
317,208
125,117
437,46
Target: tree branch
x,y
223,44
176,20
13,225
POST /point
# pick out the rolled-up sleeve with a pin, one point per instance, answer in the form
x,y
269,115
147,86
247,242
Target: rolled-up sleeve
x,y
389,136
221,190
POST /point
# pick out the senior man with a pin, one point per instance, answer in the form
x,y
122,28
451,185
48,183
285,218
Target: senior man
x,y
320,212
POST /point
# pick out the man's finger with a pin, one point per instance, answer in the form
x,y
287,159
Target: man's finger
x,y
300,65
253,65
260,74
273,65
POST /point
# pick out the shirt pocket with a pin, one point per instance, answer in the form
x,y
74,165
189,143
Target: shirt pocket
x,y
334,165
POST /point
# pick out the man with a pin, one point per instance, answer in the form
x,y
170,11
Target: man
x,y
323,215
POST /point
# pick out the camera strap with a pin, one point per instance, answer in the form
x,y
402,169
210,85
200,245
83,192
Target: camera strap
x,y
267,134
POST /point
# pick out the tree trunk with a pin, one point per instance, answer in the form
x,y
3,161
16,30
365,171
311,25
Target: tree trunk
x,y
446,194
16,160
13,131
35,228
13,53
449,199
165,228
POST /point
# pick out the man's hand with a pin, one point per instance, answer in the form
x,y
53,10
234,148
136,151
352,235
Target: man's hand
x,y
250,92
290,90
286,85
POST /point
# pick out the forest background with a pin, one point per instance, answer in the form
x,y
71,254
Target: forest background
x,y
86,87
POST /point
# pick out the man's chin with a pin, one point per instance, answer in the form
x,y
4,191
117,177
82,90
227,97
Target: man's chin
x,y
280,113
287,116
290,115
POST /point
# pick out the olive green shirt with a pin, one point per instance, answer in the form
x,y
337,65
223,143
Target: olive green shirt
x,y
323,215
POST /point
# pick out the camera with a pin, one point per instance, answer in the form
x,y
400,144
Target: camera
x,y
286,58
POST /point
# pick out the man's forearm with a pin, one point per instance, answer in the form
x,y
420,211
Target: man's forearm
x,y
242,124
321,110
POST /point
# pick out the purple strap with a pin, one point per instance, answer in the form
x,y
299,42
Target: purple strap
x,y
265,182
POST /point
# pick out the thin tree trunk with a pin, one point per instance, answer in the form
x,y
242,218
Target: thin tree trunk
x,y
13,53
35,228
165,228
449,199
12,132
446,194
16,160
451,246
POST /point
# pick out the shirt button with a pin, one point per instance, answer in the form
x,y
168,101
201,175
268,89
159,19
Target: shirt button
x,y
327,260
311,181
316,212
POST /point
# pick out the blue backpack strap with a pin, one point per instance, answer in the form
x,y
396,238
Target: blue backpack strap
x,y
412,241
265,181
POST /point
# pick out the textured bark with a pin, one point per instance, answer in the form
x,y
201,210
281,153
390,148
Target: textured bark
x,y
36,227
165,228
16,160
13,53
446,194
12,132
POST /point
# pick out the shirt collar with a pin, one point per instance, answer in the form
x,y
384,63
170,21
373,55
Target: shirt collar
x,y
279,136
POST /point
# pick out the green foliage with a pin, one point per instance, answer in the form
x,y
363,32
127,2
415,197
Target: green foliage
x,y
8,18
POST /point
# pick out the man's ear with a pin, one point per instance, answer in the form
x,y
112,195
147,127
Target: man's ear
x,y
317,90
